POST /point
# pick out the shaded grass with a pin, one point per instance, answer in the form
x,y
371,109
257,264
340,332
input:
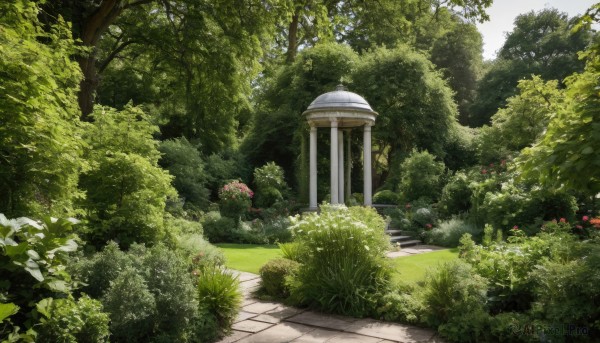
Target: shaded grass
x,y
411,269
248,257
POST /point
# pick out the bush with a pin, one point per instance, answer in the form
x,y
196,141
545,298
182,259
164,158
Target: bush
x,y
197,250
274,274
454,297
218,293
423,216
66,320
448,233
270,184
421,176
343,269
275,230
131,307
456,196
183,161
235,200
386,197
219,229
126,189
149,293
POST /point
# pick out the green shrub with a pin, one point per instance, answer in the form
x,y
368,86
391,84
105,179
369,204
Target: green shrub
x,y
270,184
273,275
423,216
160,302
454,297
131,306
448,233
291,251
221,229
66,320
126,189
218,293
197,250
402,306
386,197
183,161
421,176
343,269
275,230
456,196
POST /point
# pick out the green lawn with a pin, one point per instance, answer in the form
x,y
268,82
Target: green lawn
x,y
413,268
248,257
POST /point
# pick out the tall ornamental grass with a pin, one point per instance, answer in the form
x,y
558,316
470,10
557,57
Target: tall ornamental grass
x,y
342,251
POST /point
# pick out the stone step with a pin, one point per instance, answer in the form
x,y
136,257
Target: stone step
x,y
400,238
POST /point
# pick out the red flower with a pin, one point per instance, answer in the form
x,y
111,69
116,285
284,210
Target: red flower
x,y
585,218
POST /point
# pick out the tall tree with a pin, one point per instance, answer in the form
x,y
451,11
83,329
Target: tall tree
x,y
415,105
541,43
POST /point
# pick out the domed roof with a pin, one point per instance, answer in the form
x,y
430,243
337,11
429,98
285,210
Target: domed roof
x,y
340,99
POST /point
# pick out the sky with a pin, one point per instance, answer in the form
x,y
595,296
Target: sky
x,y
503,13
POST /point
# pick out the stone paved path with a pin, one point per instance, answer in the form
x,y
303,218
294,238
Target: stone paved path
x,y
414,250
269,322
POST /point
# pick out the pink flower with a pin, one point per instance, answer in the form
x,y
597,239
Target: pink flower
x,y
515,227
428,226
563,220
585,218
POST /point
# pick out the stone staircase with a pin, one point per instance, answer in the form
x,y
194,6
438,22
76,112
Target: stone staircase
x,y
397,236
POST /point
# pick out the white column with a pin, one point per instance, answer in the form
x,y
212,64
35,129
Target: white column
x,y
368,179
348,165
313,168
341,166
334,162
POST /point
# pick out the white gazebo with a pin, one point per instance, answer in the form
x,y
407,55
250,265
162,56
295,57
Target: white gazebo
x,y
341,111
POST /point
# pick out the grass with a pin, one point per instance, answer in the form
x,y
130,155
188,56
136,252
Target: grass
x,y
248,257
413,268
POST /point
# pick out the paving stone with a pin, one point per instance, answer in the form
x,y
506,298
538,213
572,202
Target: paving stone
x,y
250,326
395,254
266,318
243,315
250,283
392,331
316,336
248,301
327,321
345,337
244,276
260,307
283,312
284,332
234,337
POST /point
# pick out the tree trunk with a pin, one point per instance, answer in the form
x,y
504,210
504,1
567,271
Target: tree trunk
x,y
293,38
93,28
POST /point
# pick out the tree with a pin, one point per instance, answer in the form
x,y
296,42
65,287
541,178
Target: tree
x,y
568,155
458,53
522,122
188,27
542,43
40,143
278,127
414,103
